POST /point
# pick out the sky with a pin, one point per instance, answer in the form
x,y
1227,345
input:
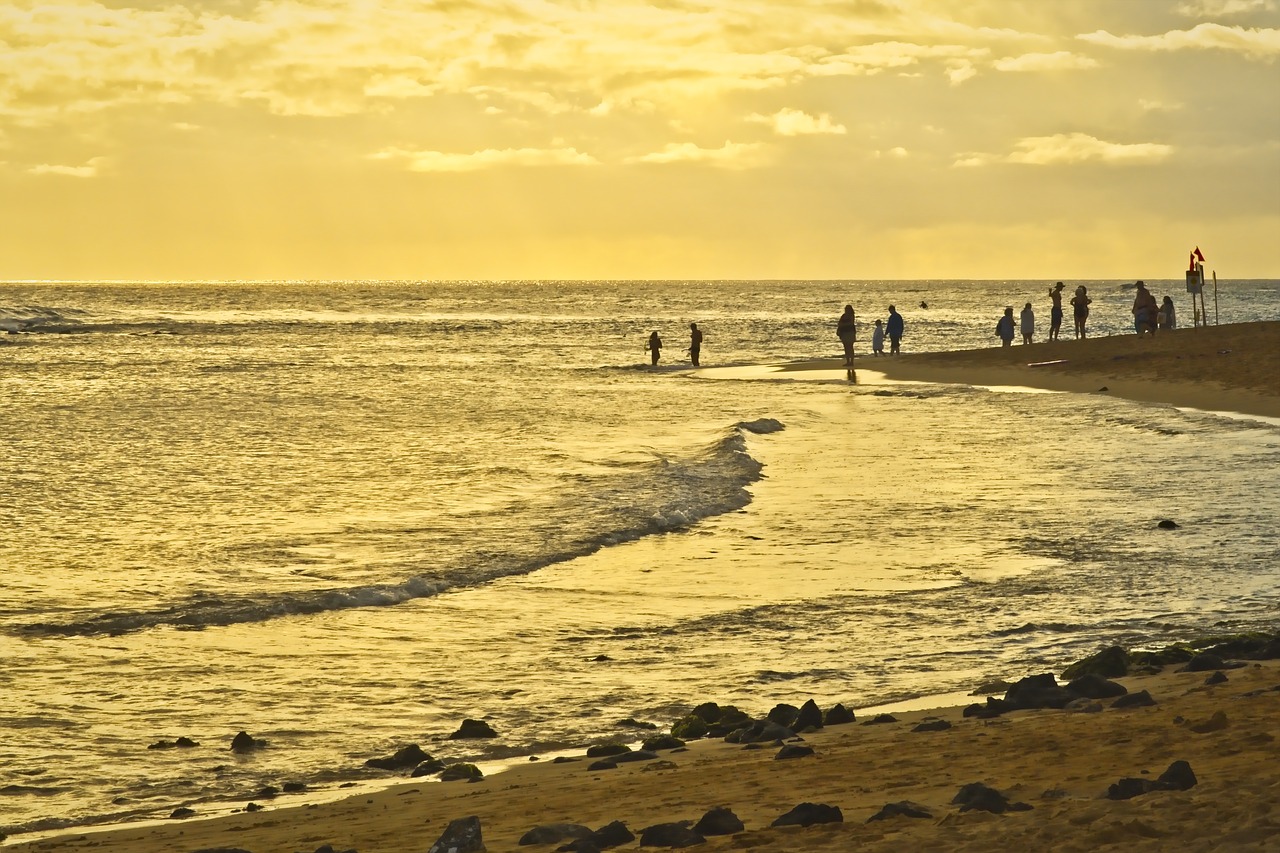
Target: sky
x,y
672,139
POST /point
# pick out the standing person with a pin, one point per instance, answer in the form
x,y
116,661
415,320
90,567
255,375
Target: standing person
x,y
1080,307
847,332
877,339
1144,310
654,347
695,343
1028,324
1004,327
894,327
1055,313
1168,319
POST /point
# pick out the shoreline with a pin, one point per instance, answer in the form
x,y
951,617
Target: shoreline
x,y
1229,368
1059,762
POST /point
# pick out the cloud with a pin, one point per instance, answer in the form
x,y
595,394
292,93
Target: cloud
x,y
1252,43
731,155
960,71
439,161
1223,8
1080,148
91,169
789,122
1062,60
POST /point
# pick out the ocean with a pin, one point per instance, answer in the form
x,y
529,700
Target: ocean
x,y
344,516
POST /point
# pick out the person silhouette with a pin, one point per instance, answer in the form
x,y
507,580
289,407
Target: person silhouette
x,y
1055,313
695,343
847,332
1080,308
894,327
654,347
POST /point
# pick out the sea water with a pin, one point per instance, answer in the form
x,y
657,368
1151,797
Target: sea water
x,y
343,516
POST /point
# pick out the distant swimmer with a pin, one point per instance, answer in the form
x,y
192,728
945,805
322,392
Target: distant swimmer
x,y
695,343
847,332
924,305
654,347
1055,313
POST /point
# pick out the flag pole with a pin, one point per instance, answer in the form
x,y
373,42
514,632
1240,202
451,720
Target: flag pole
x,y
1215,297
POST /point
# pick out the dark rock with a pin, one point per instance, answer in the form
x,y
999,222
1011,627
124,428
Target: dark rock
x,y
987,688
293,787
244,742
428,768
807,814
1167,524
1111,662
900,809
612,835
635,755
690,727
213,849
602,764
762,731
564,759
1128,788
793,750
601,658
662,742
554,833
267,792
405,758
1094,686
1203,662
1084,705
810,717
837,715
932,726
880,719
253,807
708,712
1037,691
473,729
460,836
980,797
993,708
670,835
186,743
1215,723
1218,677
461,772
784,715
181,812
1178,777
631,723
581,845
719,821
1141,699
604,750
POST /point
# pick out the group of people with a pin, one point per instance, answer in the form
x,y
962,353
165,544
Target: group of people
x,y
1147,315
654,345
847,332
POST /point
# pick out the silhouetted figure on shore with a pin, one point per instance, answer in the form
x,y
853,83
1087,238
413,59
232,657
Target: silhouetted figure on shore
x,y
1004,327
1055,313
1144,311
654,348
847,332
695,343
1080,308
877,339
894,328
1168,317
1028,324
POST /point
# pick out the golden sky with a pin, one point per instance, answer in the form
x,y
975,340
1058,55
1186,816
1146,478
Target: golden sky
x,y
470,139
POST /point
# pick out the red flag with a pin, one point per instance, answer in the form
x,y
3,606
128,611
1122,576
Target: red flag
x,y
1198,255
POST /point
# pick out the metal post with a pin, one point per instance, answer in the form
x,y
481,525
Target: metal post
x,y
1215,297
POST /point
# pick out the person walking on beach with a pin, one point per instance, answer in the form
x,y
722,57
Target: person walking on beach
x,y
1168,319
894,328
1144,311
1080,308
695,343
847,332
1028,324
654,347
1004,327
1055,313
877,339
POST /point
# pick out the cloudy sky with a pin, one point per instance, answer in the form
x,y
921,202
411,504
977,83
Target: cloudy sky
x,y
466,139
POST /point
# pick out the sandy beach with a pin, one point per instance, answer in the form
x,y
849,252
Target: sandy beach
x,y
1059,763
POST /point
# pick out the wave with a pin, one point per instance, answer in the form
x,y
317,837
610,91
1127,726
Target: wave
x,y
709,483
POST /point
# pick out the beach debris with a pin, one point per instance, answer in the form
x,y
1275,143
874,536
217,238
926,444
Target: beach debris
x,y
460,836
837,715
604,750
245,742
719,821
1218,677
793,750
807,814
405,758
1179,777
880,719
903,808
554,833
676,834
1216,723
181,812
932,726
979,797
180,743
658,742
1141,699
461,772
1168,524
473,729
